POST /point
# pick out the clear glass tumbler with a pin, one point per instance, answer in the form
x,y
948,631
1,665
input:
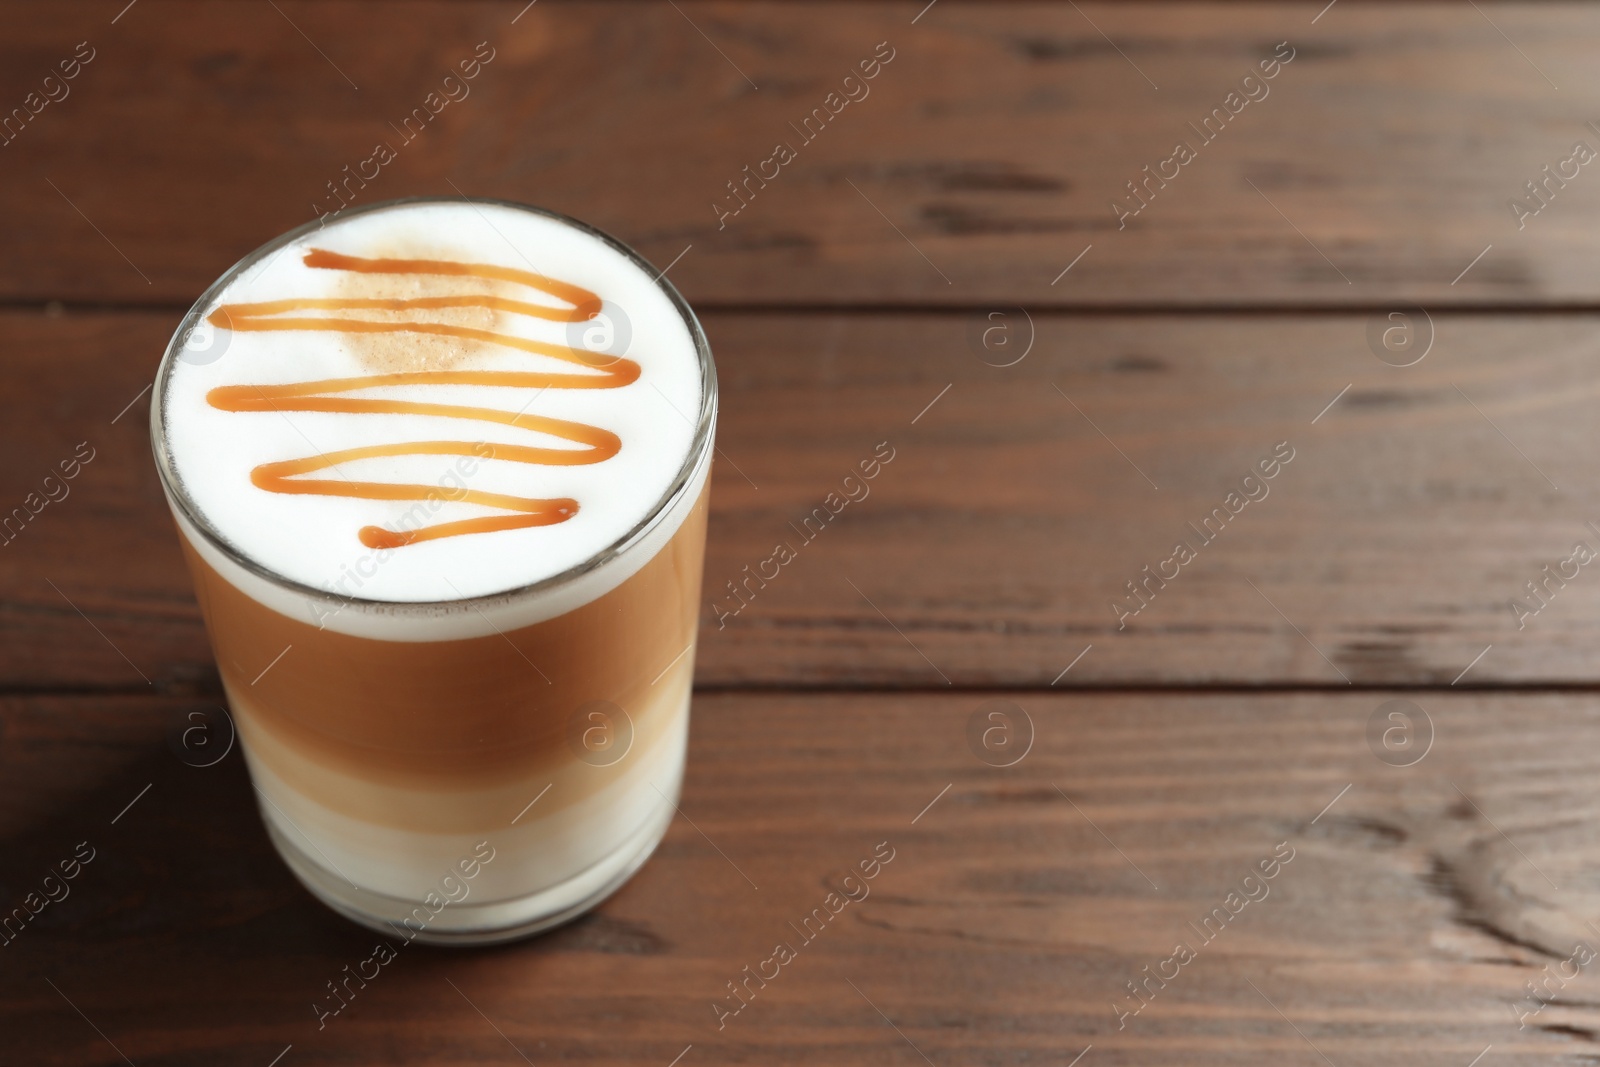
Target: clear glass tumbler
x,y
470,770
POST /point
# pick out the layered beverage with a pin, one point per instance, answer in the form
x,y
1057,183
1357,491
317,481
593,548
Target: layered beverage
x,y
439,469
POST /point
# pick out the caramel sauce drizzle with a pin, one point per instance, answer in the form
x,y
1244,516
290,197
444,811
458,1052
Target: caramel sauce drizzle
x,y
287,476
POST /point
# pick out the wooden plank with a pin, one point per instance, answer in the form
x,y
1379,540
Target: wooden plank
x,y
991,548
1380,164
1411,906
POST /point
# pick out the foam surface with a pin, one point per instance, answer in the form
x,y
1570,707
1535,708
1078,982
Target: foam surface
x,y
315,539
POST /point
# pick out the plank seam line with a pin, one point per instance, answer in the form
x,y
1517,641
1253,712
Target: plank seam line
x,y
67,308
1033,689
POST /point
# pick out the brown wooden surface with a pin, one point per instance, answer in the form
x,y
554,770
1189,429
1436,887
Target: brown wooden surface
x,y
995,140
1401,931
846,306
997,538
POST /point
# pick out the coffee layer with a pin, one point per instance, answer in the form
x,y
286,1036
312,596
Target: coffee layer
x,y
357,724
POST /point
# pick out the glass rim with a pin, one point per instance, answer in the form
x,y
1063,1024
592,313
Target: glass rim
x,y
700,444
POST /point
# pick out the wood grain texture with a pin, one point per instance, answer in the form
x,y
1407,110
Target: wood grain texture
x,y
992,547
1379,166
1018,903
864,301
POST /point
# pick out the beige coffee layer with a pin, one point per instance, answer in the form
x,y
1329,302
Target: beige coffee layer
x,y
468,805
486,714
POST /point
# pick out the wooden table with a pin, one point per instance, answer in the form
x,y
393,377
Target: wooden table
x,y
1067,386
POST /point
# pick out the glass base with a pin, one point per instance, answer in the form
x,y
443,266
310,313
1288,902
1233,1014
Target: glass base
x,y
468,924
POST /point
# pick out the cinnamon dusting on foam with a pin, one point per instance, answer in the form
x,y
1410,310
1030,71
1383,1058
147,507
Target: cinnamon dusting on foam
x,y
416,321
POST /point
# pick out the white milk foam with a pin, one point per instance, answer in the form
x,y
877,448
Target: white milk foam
x,y
313,540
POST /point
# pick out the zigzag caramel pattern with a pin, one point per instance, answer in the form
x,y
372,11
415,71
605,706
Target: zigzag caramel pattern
x,y
287,476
